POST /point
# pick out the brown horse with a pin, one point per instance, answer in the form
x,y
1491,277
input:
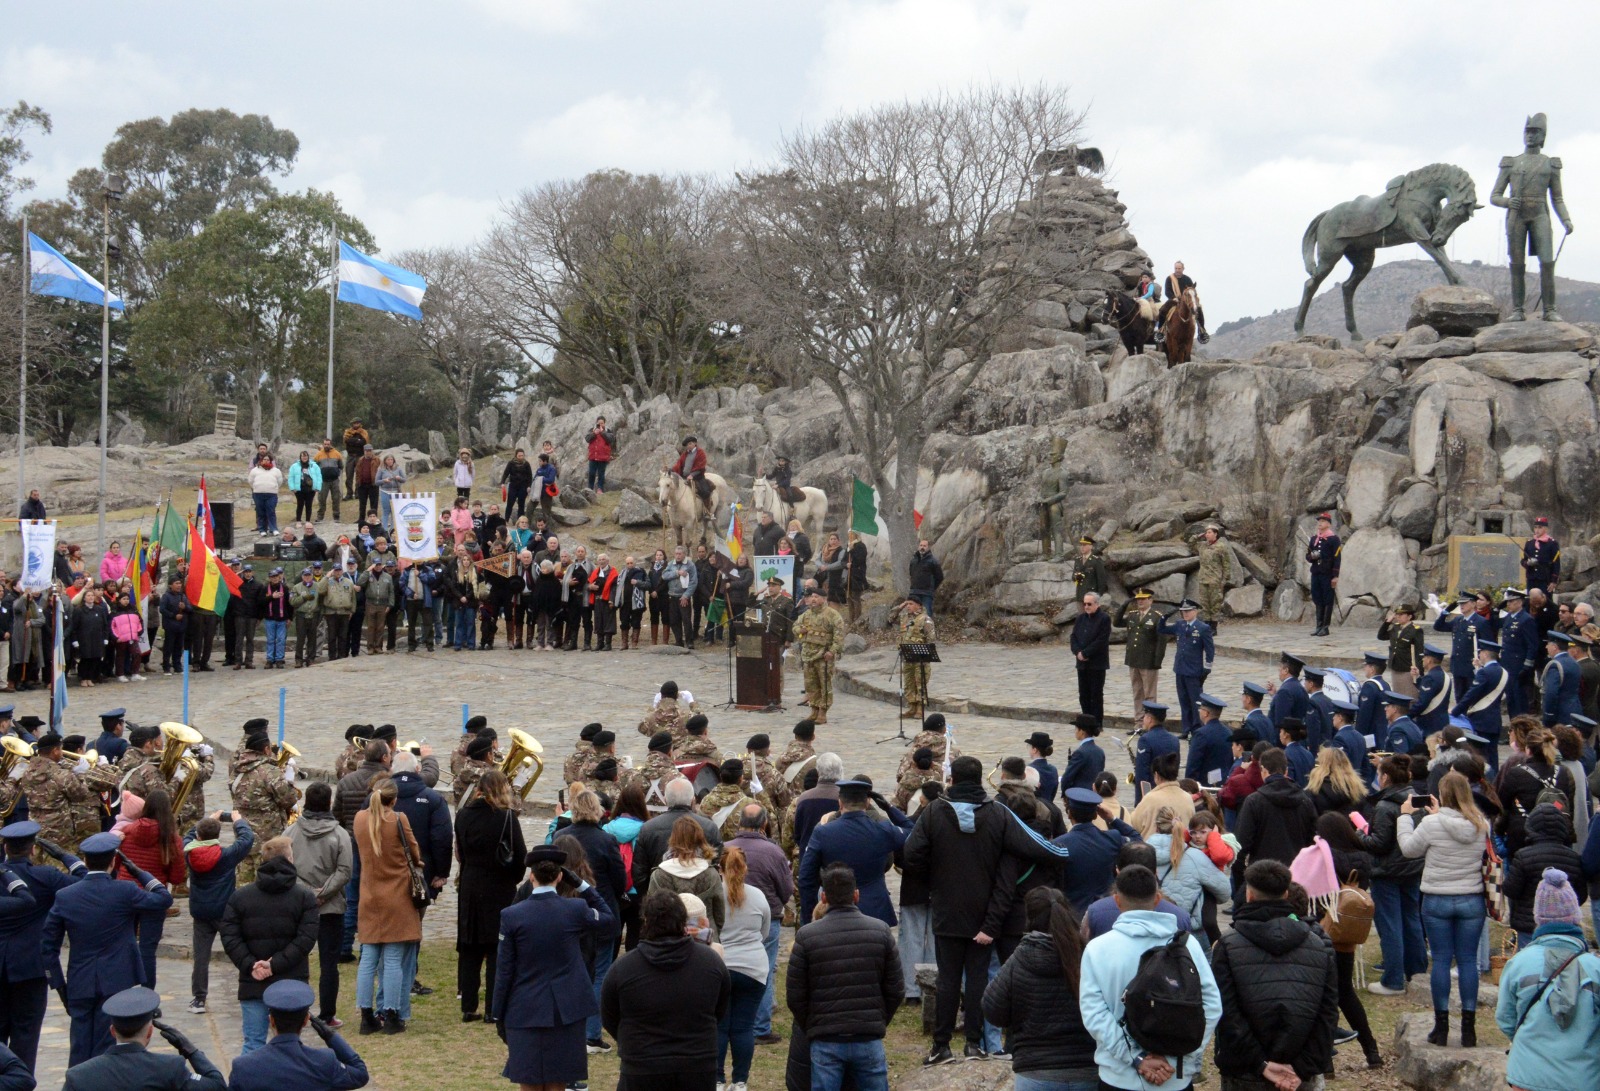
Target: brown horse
x,y
1180,330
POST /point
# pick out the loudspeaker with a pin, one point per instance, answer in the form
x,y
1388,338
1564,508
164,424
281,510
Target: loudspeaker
x,y
222,518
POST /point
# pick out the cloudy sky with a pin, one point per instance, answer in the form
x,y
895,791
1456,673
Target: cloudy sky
x,y
1227,126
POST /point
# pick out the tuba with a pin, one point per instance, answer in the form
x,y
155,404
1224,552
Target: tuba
x,y
178,769
520,759
287,753
15,750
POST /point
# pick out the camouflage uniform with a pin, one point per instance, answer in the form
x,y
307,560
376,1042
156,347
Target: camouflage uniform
x,y
774,794
915,629
667,716
819,631
725,795
798,751
352,756
581,764
66,810
140,773
1213,576
467,777
605,789
696,748
786,833
656,773
264,799
911,783
10,795
933,740
194,806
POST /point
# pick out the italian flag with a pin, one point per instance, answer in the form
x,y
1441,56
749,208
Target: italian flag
x,y
211,583
864,505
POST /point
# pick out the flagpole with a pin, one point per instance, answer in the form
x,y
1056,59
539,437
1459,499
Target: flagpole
x,y
333,295
105,364
22,388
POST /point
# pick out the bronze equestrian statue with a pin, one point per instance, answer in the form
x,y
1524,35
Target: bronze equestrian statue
x,y
1535,183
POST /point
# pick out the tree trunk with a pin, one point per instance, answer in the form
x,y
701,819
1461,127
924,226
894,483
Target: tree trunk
x,y
899,502
255,408
463,427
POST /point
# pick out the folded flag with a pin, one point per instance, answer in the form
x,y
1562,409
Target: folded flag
x,y
52,274
368,282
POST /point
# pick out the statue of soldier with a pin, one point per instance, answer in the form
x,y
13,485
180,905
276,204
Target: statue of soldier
x,y
1535,183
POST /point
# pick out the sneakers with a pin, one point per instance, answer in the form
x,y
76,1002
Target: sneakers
x,y
975,1052
121,679
197,1006
334,1024
738,1085
1341,1035
1378,988
136,678
1000,1054
938,1055
597,1045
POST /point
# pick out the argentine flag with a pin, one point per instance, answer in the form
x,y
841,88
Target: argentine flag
x,y
368,282
53,274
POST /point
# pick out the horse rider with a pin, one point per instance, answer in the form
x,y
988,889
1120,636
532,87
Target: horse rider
x,y
1176,285
691,466
782,480
1147,289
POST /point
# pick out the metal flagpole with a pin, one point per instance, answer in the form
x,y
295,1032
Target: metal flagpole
x,y
333,296
105,365
22,389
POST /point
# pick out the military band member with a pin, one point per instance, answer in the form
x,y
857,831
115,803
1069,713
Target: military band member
x,y
696,745
354,752
480,748
1401,734
1089,570
724,802
1519,649
910,782
1369,698
820,633
1215,562
1431,709
658,771
774,792
1480,702
1289,697
583,758
61,803
477,725
1405,636
1472,620
670,710
112,744
1146,648
932,736
1541,558
1087,761
1323,555
9,725
1256,720
915,628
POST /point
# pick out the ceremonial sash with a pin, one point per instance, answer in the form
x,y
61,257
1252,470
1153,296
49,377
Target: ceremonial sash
x,y
1440,697
1488,699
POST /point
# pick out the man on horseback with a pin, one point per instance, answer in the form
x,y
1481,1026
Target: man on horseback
x,y
691,466
1176,285
782,480
1534,180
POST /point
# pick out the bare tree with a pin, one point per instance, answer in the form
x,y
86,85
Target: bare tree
x,y
884,252
603,281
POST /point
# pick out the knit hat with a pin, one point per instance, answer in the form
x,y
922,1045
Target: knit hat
x,y
1555,900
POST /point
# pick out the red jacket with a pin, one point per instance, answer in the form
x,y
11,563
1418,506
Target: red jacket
x,y
141,843
1240,786
696,463
599,446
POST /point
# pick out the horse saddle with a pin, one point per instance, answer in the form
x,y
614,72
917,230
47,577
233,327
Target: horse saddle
x,y
791,494
1370,215
1149,310
703,488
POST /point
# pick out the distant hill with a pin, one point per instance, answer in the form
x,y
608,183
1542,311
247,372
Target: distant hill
x,y
1383,303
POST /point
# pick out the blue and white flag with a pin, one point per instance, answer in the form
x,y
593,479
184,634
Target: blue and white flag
x,y
58,706
38,554
368,282
53,274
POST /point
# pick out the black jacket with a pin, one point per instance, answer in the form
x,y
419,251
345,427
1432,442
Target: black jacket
x,y
351,793
429,816
517,475
1520,785
844,977
661,1002
1017,876
1280,993
1091,636
926,572
274,918
1382,838
765,541
486,885
1031,998
252,598
605,860
1276,821
1548,831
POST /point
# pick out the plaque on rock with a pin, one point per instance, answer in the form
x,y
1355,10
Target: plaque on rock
x,y
1478,561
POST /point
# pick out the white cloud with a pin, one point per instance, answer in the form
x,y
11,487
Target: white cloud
x,y
62,80
550,16
638,133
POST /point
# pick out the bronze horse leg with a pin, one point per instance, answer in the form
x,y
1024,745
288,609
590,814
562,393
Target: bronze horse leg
x,y
1360,265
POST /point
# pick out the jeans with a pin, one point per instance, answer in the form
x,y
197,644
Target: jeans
x,y
438,620
461,626
1397,913
926,598
1025,1082
408,974
863,1060
277,640
605,952
764,1010
736,1031
916,944
1453,923
253,1015
395,985
352,898
152,922
597,475
266,504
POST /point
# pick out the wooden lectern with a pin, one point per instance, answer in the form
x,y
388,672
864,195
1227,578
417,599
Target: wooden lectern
x,y
758,667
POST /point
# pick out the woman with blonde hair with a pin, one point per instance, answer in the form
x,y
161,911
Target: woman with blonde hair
x,y
386,919
1534,768
1333,783
687,870
801,544
1186,873
1449,834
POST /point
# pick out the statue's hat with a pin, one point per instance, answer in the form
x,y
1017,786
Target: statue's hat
x,y
1537,121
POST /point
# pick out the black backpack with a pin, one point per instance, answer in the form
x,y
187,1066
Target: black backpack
x,y
1162,1010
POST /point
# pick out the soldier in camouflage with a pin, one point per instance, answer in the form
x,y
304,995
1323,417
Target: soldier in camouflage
x,y
774,792
583,759
66,810
912,780
803,746
604,780
354,752
1215,557
931,736
820,632
262,796
916,627
194,804
658,771
724,803
697,744
138,772
253,726
669,712
480,751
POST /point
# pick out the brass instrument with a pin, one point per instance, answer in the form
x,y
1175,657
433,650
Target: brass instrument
x,y
285,752
178,769
15,750
1131,743
524,753
91,756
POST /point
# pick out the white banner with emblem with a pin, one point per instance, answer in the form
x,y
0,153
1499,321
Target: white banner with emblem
x,y
38,554
416,526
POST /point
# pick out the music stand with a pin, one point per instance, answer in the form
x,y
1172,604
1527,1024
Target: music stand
x,y
909,653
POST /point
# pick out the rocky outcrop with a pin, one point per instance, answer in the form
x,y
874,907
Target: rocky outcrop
x,y
1444,1068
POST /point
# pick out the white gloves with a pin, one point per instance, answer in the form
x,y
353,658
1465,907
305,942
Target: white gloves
x,y
205,750
288,770
82,767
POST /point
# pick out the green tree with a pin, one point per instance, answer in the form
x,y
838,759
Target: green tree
x,y
15,124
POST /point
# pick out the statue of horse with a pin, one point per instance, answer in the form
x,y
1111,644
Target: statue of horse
x,y
681,508
1408,211
1133,319
1180,327
812,511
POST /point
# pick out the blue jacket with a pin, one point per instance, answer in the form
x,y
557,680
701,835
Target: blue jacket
x,y
1488,690
1289,700
99,915
1431,709
22,931
1256,721
1404,737
1092,860
1354,745
1519,641
111,747
129,1065
1465,632
1319,720
1210,754
1086,762
1152,744
1544,1056
1300,762
1369,708
540,978
1195,876
1049,780
285,1062
868,846
298,480
211,887
1561,690
429,816
1109,964
1193,650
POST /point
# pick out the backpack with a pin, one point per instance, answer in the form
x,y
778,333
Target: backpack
x,y
627,865
1351,922
1162,1009
1550,792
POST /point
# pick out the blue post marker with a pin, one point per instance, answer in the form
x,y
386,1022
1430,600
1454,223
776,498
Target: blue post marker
x,y
283,696
465,715
186,685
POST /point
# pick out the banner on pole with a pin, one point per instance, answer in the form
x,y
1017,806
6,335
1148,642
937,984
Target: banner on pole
x,y
416,533
38,554
777,565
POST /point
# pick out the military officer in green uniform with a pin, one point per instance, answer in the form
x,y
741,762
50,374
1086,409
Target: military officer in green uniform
x,y
1214,558
1405,636
820,633
916,627
1534,182
1089,570
1146,647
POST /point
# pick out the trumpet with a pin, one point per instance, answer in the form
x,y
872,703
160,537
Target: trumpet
x,y
91,756
523,756
177,767
15,750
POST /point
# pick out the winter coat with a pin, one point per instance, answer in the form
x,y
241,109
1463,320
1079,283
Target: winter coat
x,y
141,843
1195,876
90,630
1519,789
867,846
602,441
307,478
1451,848
113,566
650,845
429,816
1031,998
926,572
1091,638
324,858
127,625
662,1002
768,867
517,476
1280,993
486,886
1382,838
1277,821
1544,1055
266,479
386,912
273,919
338,596
212,870
461,474
844,977
350,796
695,877
605,860
1546,846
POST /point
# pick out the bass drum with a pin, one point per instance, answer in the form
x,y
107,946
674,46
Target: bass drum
x,y
1341,685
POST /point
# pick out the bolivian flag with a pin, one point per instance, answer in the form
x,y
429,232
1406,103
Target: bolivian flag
x,y
211,583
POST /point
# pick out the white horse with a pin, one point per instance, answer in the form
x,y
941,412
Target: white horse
x,y
681,508
812,511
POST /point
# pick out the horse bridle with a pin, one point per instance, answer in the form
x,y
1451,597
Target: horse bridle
x,y
1133,316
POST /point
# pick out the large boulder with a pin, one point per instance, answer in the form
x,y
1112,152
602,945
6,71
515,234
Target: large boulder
x,y
1533,337
633,510
1528,366
1150,573
1427,1067
1418,351
1288,601
1136,556
1026,587
438,449
1375,566
1246,601
1454,309
1370,483
1413,510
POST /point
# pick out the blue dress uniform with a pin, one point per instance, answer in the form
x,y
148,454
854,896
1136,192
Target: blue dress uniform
x,y
1541,559
1519,647
1049,778
1369,701
1210,747
285,1061
866,844
1256,719
1560,686
1086,762
1301,760
1402,736
1431,709
1322,554
1194,652
1153,742
1480,704
1291,699
111,747
1319,713
1091,850
98,915
1350,740
129,1066
1466,627
23,990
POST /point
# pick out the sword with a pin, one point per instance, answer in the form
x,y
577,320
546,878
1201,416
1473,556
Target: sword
x,y
1566,232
